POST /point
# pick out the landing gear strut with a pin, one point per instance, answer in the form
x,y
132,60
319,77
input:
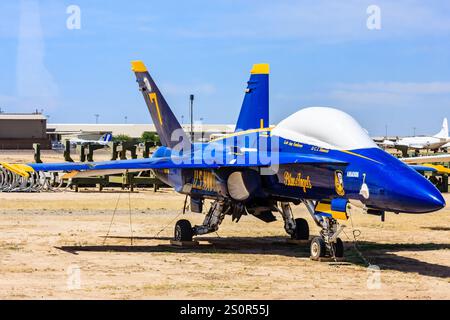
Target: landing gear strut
x,y
328,243
298,228
184,231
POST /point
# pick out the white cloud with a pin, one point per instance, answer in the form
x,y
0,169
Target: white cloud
x,y
35,83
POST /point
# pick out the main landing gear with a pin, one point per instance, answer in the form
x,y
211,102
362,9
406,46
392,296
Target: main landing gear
x,y
328,244
298,228
184,230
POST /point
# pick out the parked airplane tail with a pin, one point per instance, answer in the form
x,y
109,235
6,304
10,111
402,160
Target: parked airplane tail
x,y
169,129
443,134
255,107
107,137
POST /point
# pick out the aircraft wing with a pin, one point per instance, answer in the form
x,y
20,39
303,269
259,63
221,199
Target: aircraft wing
x,y
422,168
173,162
427,159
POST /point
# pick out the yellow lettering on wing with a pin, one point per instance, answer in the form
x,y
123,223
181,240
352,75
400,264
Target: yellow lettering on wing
x,y
297,181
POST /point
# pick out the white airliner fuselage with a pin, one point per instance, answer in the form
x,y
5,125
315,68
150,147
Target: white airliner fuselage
x,y
422,142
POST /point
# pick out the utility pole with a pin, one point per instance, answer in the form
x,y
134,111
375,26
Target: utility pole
x,y
96,117
126,119
386,127
201,128
191,98
414,131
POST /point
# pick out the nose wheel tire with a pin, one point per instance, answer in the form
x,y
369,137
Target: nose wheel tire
x,y
318,248
338,248
183,231
301,231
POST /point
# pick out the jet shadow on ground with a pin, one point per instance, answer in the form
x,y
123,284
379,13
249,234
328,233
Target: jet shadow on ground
x,y
383,255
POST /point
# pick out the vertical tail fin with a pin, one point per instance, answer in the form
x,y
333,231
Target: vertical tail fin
x,y
163,118
255,107
444,131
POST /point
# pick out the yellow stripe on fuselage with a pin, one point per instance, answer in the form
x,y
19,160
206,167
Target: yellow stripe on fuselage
x,y
360,156
270,129
240,133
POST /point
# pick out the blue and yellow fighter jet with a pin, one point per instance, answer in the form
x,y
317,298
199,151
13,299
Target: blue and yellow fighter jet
x,y
318,156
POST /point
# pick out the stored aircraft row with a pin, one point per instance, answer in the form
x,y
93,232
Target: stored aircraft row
x,y
319,156
438,141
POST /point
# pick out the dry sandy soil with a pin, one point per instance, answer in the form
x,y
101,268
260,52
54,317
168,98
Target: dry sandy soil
x,y
52,245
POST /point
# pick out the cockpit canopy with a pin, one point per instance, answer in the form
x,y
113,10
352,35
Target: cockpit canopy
x,y
324,127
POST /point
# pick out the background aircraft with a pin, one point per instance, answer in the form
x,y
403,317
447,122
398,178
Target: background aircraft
x,y
421,142
318,156
103,141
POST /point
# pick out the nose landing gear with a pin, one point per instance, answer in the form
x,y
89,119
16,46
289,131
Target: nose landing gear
x,y
328,244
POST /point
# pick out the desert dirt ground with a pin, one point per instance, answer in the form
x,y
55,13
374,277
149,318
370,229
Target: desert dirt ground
x,y
53,246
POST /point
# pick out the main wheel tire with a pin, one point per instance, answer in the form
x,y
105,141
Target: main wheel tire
x,y
301,231
183,231
338,248
318,248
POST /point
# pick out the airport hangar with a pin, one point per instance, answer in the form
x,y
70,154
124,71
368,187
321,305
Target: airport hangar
x,y
20,131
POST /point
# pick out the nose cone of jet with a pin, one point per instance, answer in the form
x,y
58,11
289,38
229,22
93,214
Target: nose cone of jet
x,y
415,194
427,200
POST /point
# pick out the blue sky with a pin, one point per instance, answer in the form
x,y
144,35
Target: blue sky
x,y
320,52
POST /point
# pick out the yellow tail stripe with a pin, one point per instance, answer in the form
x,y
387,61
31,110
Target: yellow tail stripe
x,y
154,100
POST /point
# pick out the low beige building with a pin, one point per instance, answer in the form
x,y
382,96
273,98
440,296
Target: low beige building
x,y
92,131
20,131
